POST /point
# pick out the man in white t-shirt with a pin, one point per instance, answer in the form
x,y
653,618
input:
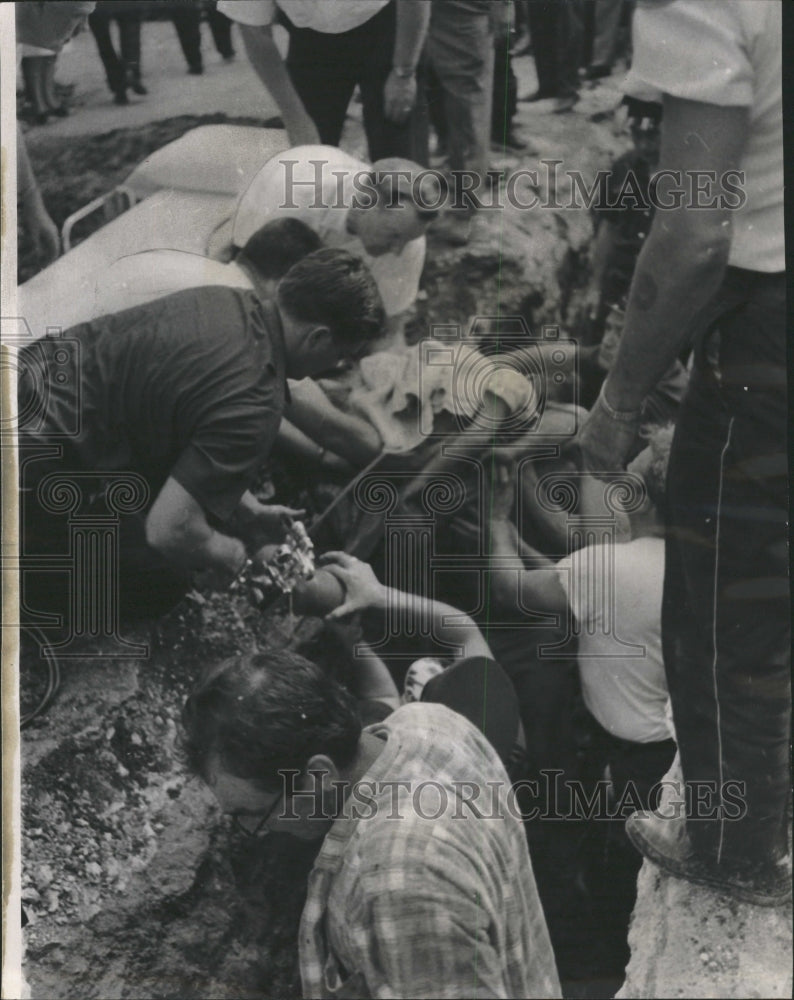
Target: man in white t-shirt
x,y
376,212
334,47
716,257
612,594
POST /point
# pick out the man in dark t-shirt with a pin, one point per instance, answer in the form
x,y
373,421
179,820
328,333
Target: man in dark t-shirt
x,y
165,411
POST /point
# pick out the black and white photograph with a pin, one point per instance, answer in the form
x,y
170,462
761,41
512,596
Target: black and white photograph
x,y
395,499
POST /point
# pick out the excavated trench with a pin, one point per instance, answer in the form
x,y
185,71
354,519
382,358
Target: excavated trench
x,y
133,885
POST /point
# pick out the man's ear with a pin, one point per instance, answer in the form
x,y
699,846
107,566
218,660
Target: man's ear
x,y
320,770
318,339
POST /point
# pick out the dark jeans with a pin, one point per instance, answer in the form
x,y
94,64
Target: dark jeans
x,y
557,31
505,90
126,69
325,69
187,21
726,596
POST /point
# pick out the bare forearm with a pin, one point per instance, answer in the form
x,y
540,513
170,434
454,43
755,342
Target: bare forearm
x,y
268,65
413,19
372,677
679,270
462,632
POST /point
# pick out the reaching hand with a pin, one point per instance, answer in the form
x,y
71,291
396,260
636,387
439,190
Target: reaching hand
x,y
43,231
271,522
503,491
399,97
362,587
604,441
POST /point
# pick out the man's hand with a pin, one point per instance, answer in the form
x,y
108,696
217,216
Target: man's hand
x,y
268,523
362,587
42,229
605,442
399,97
503,491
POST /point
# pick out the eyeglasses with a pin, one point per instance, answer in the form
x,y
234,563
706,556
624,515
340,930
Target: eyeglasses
x,y
261,829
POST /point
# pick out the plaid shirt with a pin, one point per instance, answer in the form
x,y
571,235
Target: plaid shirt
x,y
426,893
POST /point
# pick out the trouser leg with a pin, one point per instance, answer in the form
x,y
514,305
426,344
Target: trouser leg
x,y
323,79
461,53
569,47
221,28
543,28
187,21
385,138
726,596
505,91
607,24
114,71
130,38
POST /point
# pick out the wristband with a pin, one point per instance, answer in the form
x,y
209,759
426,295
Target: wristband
x,y
621,416
404,72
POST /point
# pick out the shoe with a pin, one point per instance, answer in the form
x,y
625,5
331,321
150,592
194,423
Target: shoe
x,y
195,70
138,88
666,843
60,112
508,143
120,97
563,104
538,95
228,56
597,71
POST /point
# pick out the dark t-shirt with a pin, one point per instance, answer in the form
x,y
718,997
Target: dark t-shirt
x,y
190,386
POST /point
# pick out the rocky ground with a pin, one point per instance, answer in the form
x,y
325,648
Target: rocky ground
x,y
133,885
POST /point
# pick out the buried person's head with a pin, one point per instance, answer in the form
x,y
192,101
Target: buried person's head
x,y
331,309
259,727
406,202
275,247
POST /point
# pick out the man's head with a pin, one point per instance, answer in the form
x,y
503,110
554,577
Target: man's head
x,y
400,213
275,247
651,465
255,716
331,309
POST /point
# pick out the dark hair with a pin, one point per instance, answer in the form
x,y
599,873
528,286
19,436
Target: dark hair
x,y
336,289
279,244
262,713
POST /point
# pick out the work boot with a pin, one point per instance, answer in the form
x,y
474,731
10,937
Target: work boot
x,y
666,843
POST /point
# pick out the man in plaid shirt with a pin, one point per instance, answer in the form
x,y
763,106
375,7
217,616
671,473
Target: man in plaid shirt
x,y
423,886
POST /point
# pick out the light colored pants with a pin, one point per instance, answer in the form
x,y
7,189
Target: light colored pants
x,y
461,57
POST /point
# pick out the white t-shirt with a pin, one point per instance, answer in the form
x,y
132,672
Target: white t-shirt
x,y
319,15
317,184
729,53
153,274
626,694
